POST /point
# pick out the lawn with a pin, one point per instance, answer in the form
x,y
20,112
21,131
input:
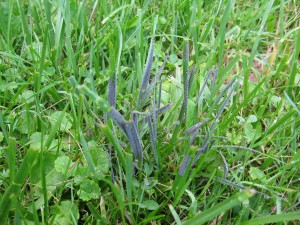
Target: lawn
x,y
149,112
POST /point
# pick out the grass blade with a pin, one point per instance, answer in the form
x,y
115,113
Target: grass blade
x,y
294,62
118,197
94,211
223,206
255,46
175,215
115,143
47,5
159,94
14,189
129,180
96,98
186,87
55,128
225,164
278,123
11,158
229,117
3,128
279,218
222,32
6,201
292,103
154,118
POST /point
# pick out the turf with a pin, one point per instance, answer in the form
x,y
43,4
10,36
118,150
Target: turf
x,y
149,112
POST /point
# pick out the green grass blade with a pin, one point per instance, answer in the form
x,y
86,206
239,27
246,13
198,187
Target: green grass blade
x,y
129,180
26,32
55,128
222,32
175,215
48,9
279,218
292,103
3,128
267,11
115,142
6,201
87,154
229,117
186,87
114,13
101,102
118,196
294,62
11,158
14,189
217,209
94,211
270,130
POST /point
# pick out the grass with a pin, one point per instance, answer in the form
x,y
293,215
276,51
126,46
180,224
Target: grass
x,y
149,112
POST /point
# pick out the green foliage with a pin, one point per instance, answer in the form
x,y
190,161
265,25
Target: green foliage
x,y
150,205
65,123
65,213
100,161
62,164
89,189
140,112
232,201
257,174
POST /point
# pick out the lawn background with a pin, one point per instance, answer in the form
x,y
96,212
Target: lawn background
x,y
149,112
